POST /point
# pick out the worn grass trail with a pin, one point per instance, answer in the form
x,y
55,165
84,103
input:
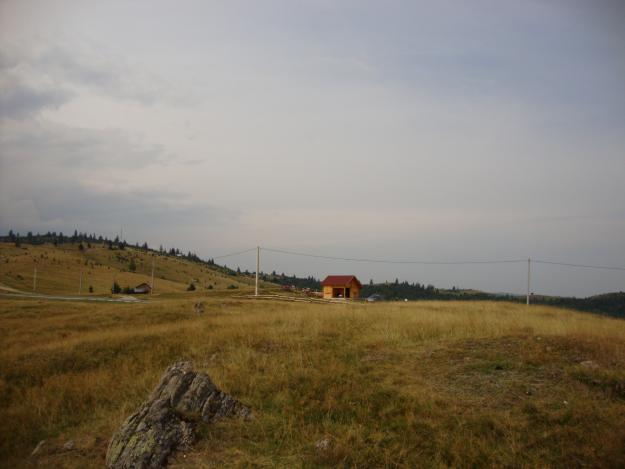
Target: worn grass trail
x,y
388,385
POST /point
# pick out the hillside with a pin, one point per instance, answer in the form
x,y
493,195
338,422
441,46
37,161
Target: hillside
x,y
417,384
59,269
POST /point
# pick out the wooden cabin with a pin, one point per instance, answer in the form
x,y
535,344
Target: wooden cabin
x,y
142,288
341,286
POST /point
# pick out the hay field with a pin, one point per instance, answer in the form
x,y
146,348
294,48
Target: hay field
x,y
423,384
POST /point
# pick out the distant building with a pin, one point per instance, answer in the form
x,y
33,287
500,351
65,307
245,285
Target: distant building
x,y
341,286
142,288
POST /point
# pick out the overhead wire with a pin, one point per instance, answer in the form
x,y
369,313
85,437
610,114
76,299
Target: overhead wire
x,y
421,262
235,253
386,261
585,266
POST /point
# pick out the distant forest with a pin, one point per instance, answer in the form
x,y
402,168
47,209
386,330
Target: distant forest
x,y
611,304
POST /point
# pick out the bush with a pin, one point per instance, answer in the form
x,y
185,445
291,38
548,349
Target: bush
x,y
232,287
116,288
210,287
132,266
191,287
90,289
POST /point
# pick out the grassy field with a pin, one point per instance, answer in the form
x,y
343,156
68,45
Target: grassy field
x,y
423,384
59,269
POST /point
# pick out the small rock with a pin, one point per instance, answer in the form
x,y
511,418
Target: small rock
x,y
565,402
38,449
69,445
589,365
323,445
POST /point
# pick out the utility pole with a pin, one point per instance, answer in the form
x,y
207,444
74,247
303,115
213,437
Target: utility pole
x,y
257,267
152,283
35,280
528,281
80,284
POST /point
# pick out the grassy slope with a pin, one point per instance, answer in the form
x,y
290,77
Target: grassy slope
x,y
392,384
58,270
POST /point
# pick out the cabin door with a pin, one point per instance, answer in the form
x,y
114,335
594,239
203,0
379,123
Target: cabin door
x,y
347,293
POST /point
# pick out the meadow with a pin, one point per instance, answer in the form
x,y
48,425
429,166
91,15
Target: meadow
x,y
59,269
416,384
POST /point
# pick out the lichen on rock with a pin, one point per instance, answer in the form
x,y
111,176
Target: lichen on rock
x,y
166,421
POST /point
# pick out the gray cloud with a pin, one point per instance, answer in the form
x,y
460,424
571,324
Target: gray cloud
x,y
39,76
20,100
89,66
403,130
44,144
42,206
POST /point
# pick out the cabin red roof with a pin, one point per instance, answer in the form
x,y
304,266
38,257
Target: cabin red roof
x,y
340,281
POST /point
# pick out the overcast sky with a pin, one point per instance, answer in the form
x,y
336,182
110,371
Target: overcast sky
x,y
446,130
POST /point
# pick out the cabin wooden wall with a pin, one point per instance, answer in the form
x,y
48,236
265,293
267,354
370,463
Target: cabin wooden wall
x,y
354,290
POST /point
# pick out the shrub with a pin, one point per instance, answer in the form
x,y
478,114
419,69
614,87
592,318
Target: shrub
x,y
191,287
116,288
232,287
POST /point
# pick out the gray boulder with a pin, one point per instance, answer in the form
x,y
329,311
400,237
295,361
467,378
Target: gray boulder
x,y
166,421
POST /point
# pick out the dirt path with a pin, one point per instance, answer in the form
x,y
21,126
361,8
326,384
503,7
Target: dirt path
x,y
12,292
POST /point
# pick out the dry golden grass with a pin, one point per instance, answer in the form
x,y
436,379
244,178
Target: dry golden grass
x,y
59,268
423,384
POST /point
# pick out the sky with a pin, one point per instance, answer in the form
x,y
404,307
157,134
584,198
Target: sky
x,y
439,131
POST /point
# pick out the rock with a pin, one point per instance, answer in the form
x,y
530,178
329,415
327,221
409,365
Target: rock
x,y
166,421
38,449
198,308
589,365
69,445
322,445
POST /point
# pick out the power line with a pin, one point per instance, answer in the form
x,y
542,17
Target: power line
x,y
234,253
386,261
585,266
421,262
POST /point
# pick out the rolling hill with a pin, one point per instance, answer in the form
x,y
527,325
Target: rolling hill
x,y
59,269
